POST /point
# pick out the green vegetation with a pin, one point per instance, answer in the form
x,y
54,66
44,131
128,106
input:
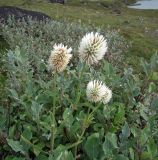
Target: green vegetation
x,y
49,117
3,47
138,26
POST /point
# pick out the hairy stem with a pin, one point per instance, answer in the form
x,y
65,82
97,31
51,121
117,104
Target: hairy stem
x,y
79,84
85,126
79,141
53,129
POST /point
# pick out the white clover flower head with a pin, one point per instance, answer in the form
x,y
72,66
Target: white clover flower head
x,y
93,47
107,96
98,92
95,91
60,57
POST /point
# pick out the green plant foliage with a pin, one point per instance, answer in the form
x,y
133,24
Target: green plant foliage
x,y
92,146
48,116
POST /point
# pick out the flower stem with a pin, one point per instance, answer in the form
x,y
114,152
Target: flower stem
x,y
95,109
53,129
79,84
8,114
90,114
38,125
79,141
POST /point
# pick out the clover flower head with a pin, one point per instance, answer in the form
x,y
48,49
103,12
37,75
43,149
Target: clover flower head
x,y
107,96
98,92
95,91
93,47
60,57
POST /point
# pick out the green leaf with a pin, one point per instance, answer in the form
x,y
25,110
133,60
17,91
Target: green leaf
x,y
153,62
57,152
113,139
152,148
146,66
14,158
41,157
126,130
152,87
120,114
107,112
143,112
110,143
154,103
61,154
154,76
11,131
121,157
131,151
37,149
65,156
36,109
92,146
14,94
15,145
3,119
145,133
68,117
27,134
75,127
135,131
145,156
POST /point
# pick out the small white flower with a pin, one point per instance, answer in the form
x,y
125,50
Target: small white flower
x,y
60,57
95,91
92,48
107,96
98,92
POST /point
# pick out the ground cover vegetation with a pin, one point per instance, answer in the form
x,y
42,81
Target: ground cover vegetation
x,y
53,110
137,26
51,117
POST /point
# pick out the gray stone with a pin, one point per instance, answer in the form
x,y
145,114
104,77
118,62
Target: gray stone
x,y
18,13
58,1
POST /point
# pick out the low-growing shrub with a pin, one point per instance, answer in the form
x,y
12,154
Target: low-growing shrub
x,y
38,37
57,111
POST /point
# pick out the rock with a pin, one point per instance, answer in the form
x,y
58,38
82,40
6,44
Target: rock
x,y
105,5
58,1
18,13
117,11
